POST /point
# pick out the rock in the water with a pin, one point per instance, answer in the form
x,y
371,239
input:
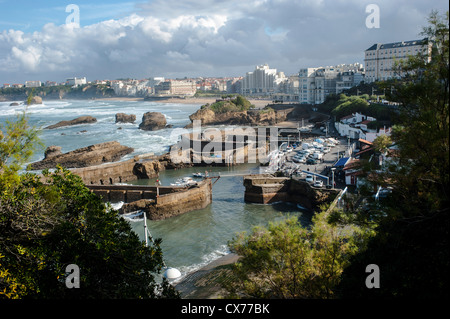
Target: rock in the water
x,y
79,120
83,157
152,121
125,118
52,151
147,169
36,100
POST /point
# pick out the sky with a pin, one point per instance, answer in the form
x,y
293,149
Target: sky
x,y
109,39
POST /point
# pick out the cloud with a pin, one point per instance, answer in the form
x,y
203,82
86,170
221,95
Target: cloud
x,y
208,37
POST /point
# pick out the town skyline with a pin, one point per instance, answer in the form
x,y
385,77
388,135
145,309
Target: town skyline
x,y
139,39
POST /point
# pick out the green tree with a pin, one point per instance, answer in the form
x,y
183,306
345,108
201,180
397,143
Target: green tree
x,y
382,143
48,222
411,246
287,260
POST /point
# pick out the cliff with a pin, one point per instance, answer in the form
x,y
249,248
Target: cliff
x,y
88,91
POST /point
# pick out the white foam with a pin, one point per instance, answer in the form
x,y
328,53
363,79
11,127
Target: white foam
x,y
207,259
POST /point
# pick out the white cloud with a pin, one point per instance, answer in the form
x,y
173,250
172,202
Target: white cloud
x,y
208,37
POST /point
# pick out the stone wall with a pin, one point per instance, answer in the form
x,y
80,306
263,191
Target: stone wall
x,y
140,167
171,201
266,189
182,201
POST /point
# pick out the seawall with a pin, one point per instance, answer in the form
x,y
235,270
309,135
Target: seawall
x,y
266,189
158,202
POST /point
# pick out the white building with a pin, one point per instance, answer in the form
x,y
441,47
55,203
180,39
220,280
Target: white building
x,y
315,84
176,87
380,58
355,126
262,81
33,84
76,81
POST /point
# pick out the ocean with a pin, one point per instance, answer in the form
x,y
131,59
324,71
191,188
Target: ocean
x,y
189,241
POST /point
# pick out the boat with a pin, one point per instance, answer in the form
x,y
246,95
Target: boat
x,y
198,174
183,182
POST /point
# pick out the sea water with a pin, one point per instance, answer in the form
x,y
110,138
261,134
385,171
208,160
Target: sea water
x,y
193,239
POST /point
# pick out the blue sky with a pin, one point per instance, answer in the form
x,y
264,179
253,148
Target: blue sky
x,y
30,16
178,38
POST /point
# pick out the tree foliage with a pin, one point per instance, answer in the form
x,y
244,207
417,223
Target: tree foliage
x,y
237,104
287,260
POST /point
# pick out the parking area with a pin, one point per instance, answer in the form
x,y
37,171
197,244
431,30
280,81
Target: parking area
x,y
313,158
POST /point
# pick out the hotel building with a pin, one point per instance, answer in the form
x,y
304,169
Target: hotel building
x,y
380,58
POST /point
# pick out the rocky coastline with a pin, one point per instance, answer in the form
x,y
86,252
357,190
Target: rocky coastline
x,y
84,157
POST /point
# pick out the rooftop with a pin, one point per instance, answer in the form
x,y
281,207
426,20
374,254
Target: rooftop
x,y
378,46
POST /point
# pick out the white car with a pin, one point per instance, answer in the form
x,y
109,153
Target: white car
x,y
318,183
299,159
309,178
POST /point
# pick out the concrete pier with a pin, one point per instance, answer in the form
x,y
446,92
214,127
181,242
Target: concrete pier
x,y
266,189
158,202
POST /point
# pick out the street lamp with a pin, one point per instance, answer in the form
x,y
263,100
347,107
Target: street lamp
x,y
170,273
332,176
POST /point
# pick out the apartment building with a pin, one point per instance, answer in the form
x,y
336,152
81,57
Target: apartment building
x,y
263,81
380,58
315,84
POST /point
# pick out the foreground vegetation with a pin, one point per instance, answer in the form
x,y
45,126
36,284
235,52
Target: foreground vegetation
x,y
50,222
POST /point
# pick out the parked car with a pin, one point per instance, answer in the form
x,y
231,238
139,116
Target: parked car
x,y
309,178
318,183
311,161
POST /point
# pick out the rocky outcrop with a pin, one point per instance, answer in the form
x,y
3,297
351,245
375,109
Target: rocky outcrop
x,y
147,169
125,118
87,156
36,100
52,151
266,116
78,120
153,121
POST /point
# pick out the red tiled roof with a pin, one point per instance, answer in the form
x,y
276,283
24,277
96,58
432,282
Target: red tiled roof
x,y
364,141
